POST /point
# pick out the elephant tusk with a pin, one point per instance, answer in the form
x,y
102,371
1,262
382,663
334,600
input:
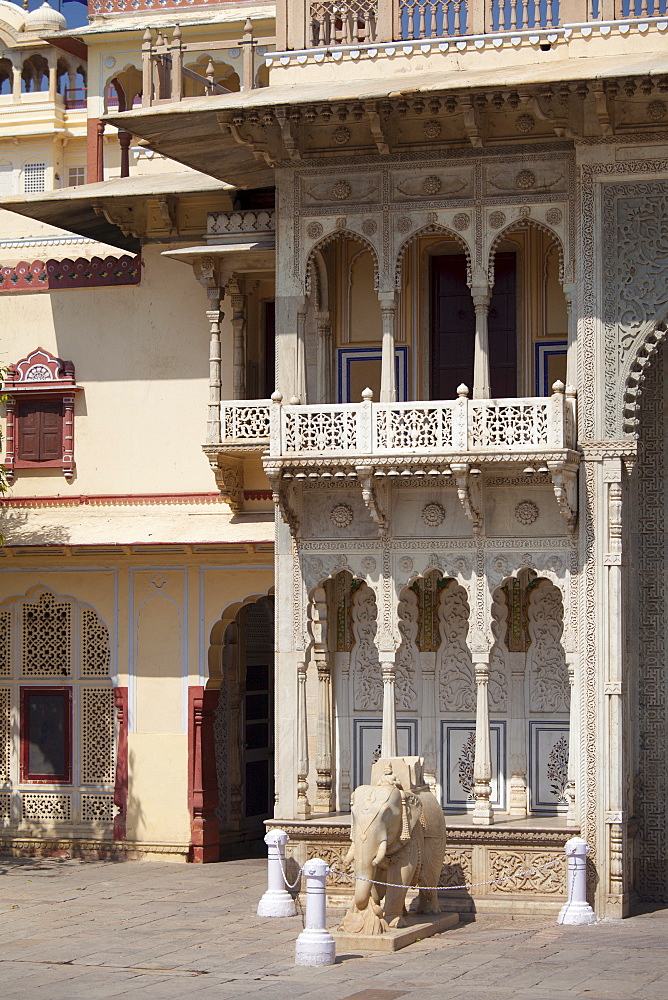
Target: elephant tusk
x,y
350,856
382,849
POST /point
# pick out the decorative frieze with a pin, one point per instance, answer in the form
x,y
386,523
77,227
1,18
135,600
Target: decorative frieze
x,y
56,275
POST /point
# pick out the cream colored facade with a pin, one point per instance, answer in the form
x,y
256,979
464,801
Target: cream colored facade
x,y
114,579
465,445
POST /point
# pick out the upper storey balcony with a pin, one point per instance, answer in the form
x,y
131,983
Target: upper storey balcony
x,y
368,441
345,34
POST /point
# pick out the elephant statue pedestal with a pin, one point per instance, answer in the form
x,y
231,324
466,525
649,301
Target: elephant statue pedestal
x,y
398,842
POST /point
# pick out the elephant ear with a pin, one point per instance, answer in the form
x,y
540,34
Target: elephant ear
x,y
411,812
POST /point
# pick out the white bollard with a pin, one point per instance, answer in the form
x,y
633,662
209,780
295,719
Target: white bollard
x,y
315,945
277,901
577,910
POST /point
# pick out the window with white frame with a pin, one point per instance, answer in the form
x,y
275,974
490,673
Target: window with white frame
x,y
76,176
34,175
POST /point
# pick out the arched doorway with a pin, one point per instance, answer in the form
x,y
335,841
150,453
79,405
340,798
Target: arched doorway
x,y
243,724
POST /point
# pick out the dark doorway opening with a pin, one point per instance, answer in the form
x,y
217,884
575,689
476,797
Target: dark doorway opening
x,y
453,327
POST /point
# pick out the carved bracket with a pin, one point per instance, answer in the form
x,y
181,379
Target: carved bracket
x,y
260,150
378,131
564,483
289,135
229,475
462,474
365,476
281,494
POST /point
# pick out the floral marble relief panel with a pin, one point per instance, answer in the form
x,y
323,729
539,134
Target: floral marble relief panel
x,y
454,666
365,665
549,689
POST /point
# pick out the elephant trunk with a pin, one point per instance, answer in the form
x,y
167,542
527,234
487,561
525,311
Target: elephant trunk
x,y
380,854
363,885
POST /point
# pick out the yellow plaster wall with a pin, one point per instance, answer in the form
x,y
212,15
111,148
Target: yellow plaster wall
x,y
164,610
142,358
158,788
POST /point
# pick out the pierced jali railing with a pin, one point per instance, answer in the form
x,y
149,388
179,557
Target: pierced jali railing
x,y
245,421
422,428
349,22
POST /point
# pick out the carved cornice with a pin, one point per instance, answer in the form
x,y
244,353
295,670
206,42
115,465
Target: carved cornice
x,y
458,836
416,464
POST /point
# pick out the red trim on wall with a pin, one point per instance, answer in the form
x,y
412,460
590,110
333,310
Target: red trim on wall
x,y
257,494
53,275
65,778
121,784
202,780
110,499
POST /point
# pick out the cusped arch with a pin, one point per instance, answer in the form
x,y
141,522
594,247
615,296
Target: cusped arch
x,y
505,232
433,229
218,632
325,241
443,574
643,355
332,575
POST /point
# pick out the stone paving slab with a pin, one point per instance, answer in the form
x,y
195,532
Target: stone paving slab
x,y
73,930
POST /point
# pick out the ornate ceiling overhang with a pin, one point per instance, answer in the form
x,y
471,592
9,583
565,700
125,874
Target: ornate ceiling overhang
x,y
241,137
121,212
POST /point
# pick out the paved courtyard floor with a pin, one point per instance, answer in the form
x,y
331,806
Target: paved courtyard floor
x,y
157,931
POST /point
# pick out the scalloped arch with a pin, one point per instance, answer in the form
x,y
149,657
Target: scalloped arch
x,y
332,237
433,229
502,233
218,632
331,576
633,372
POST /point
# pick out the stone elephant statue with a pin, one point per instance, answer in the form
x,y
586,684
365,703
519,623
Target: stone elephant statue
x,y
398,840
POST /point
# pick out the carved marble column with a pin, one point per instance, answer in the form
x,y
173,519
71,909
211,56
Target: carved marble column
x,y
483,814
325,382
388,376
572,818
481,379
614,690
389,734
517,805
238,301
323,757
214,316
303,810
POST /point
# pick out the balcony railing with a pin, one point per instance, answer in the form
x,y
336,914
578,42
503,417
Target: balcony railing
x,y
245,423
386,430
355,22
258,221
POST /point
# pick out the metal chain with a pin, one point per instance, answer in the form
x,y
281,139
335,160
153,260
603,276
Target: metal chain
x,y
449,888
299,874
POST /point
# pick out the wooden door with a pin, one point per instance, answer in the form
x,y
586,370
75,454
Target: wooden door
x,y
453,327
